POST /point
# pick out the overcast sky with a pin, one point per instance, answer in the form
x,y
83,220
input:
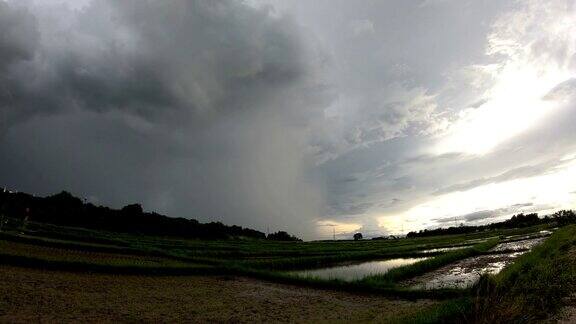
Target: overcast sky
x,y
376,116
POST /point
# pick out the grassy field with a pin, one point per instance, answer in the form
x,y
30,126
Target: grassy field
x,y
527,290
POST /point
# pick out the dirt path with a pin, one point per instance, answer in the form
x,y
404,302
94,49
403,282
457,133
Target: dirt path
x,y
28,295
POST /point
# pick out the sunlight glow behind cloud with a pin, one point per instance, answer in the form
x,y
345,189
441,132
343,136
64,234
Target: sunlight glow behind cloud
x,y
515,105
549,192
327,228
520,81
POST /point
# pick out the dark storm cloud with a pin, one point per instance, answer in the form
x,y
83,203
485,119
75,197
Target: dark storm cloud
x,y
18,43
19,35
195,108
181,60
279,114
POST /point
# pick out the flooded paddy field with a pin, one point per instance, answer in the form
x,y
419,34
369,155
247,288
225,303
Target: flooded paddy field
x,y
445,249
350,272
518,245
479,240
462,274
540,234
465,273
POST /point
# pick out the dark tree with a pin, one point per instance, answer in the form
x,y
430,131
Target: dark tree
x,y
67,210
134,209
357,236
560,218
282,236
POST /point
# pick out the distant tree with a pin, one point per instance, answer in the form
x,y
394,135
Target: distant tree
x,y
133,209
357,236
412,234
65,209
564,217
282,236
3,220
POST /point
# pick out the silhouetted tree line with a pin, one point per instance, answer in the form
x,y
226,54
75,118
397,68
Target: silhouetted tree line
x,y
282,236
67,210
560,218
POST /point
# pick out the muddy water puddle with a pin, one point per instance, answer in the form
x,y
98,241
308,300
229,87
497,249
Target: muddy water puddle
x,y
357,271
540,234
462,274
445,249
518,245
466,272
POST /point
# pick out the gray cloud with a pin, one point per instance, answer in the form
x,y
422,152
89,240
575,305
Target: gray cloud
x,y
18,44
111,60
486,215
266,112
562,91
525,171
481,215
196,108
19,35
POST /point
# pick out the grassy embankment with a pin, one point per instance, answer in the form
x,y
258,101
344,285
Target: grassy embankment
x,y
529,290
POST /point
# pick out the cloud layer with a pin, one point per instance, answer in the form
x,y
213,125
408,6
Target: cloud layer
x,y
196,108
287,115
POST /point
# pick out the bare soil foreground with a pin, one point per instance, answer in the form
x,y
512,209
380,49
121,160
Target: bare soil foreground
x,y
28,295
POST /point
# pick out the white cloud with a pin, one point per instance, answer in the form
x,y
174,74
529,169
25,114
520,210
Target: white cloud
x,y
531,48
550,190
